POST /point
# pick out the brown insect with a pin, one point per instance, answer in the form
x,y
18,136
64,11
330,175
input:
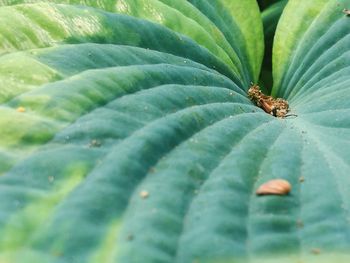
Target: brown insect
x,y
276,107
274,187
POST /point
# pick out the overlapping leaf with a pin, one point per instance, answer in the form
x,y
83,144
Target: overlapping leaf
x,y
270,17
130,140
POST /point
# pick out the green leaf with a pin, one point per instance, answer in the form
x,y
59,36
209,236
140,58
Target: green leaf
x,y
129,137
45,25
314,21
311,70
182,17
270,17
239,22
264,4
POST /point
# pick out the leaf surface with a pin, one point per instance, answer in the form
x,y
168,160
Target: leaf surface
x,y
131,138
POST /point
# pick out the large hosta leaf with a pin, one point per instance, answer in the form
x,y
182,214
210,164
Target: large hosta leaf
x,y
131,139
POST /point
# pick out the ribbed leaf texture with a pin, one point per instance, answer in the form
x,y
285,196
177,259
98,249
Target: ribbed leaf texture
x,y
126,134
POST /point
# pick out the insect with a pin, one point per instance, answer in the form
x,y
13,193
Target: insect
x,y
276,107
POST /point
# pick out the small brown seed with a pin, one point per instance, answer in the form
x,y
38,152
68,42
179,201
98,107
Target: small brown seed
x,y
274,187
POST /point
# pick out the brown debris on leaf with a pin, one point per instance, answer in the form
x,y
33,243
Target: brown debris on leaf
x,y
276,107
346,12
274,187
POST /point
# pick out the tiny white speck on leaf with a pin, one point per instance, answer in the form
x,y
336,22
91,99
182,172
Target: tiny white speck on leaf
x,y
144,194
